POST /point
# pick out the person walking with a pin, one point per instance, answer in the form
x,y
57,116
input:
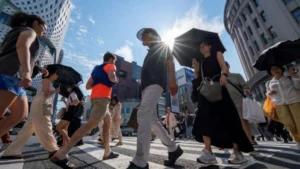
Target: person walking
x,y
170,122
285,95
189,124
69,115
115,130
182,123
217,123
102,79
153,82
19,52
239,84
39,121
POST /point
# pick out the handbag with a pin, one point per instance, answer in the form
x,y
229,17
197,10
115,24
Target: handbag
x,y
252,111
48,107
270,110
210,89
133,118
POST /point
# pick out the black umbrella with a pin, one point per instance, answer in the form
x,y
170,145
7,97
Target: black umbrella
x,y
67,75
186,46
281,53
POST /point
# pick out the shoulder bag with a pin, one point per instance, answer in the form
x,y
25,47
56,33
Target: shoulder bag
x,y
210,89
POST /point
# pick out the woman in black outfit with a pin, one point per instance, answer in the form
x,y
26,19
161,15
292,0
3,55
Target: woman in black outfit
x,y
217,123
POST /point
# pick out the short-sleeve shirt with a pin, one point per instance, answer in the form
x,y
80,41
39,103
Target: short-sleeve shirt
x,y
72,97
101,90
154,70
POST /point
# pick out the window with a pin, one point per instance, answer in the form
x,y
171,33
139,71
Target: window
x,y
239,23
251,50
51,6
296,14
4,18
28,2
56,1
272,32
263,16
264,39
250,30
46,2
250,9
244,17
287,1
41,5
34,0
256,45
122,74
245,34
256,2
256,23
35,7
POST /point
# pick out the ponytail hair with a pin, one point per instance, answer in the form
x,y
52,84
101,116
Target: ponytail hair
x,y
22,19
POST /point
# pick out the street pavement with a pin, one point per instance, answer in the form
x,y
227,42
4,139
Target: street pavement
x,y
271,155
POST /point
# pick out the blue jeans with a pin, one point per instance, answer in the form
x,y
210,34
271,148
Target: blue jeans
x,y
189,130
11,84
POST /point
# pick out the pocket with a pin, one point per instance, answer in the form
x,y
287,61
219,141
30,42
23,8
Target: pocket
x,y
47,109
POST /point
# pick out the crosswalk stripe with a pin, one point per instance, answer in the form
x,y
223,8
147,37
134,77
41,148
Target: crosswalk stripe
x,y
11,164
121,163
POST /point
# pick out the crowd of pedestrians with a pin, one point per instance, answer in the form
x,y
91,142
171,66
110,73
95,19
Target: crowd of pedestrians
x,y
218,120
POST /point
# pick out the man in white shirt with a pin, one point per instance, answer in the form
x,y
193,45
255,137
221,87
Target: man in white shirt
x,y
170,122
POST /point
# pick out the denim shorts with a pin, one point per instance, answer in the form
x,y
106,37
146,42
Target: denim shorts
x,y
11,84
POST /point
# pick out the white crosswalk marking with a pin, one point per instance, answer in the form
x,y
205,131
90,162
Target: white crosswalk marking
x,y
91,151
121,162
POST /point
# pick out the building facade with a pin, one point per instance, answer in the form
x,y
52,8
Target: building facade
x,y
184,77
255,25
129,85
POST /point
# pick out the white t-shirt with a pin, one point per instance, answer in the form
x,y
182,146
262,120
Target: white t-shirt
x,y
72,96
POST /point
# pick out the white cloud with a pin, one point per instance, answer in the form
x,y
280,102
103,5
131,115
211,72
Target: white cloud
x,y
100,41
73,6
83,29
72,20
125,51
193,18
92,20
69,44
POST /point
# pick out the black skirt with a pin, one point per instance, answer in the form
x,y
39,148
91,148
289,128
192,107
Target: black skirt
x,y
220,121
69,115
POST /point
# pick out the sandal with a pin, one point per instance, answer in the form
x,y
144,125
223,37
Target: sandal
x,y
65,164
112,155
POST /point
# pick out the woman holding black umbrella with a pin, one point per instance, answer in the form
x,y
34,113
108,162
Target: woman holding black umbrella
x,y
285,95
217,122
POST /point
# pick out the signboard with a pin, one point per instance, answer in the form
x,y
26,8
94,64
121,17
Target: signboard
x,y
189,75
174,103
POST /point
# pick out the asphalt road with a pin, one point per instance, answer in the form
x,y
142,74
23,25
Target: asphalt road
x,y
272,155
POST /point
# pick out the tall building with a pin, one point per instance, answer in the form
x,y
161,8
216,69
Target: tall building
x,y
56,13
184,77
129,86
255,25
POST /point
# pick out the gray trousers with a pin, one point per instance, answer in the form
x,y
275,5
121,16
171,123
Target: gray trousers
x,y
147,119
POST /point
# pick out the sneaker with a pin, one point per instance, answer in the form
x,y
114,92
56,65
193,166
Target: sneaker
x,y
4,147
173,156
237,158
207,158
133,166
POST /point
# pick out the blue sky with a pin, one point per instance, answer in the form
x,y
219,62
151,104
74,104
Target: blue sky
x,y
111,25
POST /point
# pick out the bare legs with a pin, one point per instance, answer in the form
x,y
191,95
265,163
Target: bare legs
x,y
18,106
62,129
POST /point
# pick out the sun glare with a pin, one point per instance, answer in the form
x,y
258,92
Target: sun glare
x,y
169,39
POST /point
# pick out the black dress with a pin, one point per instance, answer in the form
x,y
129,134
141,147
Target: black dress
x,y
218,120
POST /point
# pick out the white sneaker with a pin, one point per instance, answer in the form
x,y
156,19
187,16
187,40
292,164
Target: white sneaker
x,y
3,147
237,158
207,158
